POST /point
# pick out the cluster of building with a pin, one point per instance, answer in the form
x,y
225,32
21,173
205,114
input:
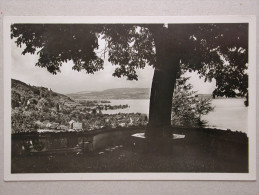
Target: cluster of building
x,y
73,125
50,125
97,122
39,108
116,120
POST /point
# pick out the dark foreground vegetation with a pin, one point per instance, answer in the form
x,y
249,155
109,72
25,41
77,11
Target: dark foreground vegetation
x,y
202,150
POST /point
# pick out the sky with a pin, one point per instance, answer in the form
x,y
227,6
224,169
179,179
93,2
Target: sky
x,y
69,81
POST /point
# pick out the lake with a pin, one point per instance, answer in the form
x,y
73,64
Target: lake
x,y
228,113
135,106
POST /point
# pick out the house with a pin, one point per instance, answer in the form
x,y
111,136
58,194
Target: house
x,y
77,126
71,123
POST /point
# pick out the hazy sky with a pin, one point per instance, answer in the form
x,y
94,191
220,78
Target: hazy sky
x,y
69,81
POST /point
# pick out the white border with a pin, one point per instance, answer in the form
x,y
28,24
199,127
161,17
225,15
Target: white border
x,y
131,176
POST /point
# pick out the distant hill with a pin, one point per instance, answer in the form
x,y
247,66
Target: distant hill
x,y
117,93
22,92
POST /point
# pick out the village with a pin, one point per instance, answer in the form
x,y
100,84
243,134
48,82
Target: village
x,y
100,121
42,110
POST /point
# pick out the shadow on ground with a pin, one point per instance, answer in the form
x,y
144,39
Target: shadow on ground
x,y
202,150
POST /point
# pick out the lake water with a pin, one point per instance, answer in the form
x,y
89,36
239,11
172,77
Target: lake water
x,y
228,113
135,106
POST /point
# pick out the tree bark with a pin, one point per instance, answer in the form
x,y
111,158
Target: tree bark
x,y
164,79
161,103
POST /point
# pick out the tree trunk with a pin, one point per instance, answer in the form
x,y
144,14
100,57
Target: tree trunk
x,y
161,103
164,79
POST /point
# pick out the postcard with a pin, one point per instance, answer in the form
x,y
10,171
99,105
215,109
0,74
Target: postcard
x,y
130,98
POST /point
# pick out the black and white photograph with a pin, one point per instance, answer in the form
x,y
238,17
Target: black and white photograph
x,y
130,98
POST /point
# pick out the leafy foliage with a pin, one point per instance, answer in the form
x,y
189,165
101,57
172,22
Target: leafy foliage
x,y
129,46
188,108
218,51
59,43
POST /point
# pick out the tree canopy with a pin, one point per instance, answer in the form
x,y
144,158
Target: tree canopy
x,y
215,51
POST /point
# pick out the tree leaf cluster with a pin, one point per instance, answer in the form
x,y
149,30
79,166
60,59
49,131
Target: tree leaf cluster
x,y
215,51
